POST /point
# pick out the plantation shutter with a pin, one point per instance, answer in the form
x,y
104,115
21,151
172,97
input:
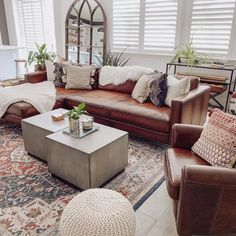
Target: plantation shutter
x,y
31,26
126,17
211,25
160,25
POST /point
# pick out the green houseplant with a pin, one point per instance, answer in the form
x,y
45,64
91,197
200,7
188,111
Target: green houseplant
x,y
113,59
187,54
40,56
74,116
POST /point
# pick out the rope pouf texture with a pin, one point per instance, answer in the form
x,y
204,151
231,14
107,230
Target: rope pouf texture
x,y
98,212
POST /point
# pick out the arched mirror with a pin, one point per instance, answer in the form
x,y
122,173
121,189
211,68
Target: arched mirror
x,y
85,32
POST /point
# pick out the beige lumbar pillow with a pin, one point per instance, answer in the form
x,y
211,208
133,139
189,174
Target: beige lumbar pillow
x,y
79,77
142,88
176,88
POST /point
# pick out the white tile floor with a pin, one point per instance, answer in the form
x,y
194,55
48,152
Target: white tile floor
x,y
155,217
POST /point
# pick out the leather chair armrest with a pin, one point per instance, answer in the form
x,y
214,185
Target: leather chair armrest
x,y
217,177
184,136
36,77
207,202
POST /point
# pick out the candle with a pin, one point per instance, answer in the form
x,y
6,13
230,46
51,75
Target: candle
x,y
87,123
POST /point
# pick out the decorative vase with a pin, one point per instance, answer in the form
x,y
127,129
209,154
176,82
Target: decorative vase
x,y
74,126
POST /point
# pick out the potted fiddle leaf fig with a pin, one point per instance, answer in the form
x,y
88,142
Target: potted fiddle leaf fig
x,y
40,56
74,117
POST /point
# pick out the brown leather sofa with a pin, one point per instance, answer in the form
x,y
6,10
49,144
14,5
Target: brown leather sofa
x,y
117,108
204,197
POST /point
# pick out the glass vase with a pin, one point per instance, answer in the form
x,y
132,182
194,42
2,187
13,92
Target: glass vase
x,y
74,126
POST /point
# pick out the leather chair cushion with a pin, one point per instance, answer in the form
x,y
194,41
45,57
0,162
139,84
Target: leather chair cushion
x,y
121,107
175,160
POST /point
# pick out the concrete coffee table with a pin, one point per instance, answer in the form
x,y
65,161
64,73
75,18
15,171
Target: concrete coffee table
x,y
90,161
36,128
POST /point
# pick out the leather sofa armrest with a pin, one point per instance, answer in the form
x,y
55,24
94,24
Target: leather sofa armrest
x,y
190,108
36,77
207,199
184,136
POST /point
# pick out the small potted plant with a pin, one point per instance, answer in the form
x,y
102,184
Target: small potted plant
x,y
74,117
112,59
40,56
186,54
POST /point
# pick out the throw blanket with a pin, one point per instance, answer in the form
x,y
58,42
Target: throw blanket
x,y
119,75
41,95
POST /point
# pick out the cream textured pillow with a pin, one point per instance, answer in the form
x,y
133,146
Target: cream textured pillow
x,y
217,144
79,77
142,88
176,88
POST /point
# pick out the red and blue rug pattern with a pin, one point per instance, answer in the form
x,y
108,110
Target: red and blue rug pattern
x,y
32,201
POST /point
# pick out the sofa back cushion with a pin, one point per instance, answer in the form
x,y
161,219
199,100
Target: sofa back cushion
x,y
126,87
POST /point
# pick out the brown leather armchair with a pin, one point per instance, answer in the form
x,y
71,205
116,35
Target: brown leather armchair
x,y
204,197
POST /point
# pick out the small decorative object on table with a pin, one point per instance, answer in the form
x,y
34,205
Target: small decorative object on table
x,y
58,117
74,117
87,123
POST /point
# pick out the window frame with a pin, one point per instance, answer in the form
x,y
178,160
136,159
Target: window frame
x,y
50,45
183,29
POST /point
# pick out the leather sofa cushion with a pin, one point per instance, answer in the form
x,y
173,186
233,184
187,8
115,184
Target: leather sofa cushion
x,y
24,109
121,107
62,93
175,160
126,87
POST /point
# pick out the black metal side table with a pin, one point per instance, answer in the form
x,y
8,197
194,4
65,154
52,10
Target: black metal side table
x,y
229,83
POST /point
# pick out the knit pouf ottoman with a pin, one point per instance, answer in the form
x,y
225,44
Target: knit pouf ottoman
x,y
98,212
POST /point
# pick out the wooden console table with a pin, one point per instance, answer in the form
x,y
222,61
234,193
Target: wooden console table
x,y
229,82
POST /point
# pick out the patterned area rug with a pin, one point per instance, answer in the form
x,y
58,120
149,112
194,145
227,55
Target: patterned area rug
x,y
31,200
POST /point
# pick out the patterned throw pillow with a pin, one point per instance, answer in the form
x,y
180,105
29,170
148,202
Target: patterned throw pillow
x,y
158,89
217,144
56,72
60,74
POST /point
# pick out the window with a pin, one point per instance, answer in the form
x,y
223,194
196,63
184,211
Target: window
x,y
160,25
126,23
212,25
144,24
35,23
